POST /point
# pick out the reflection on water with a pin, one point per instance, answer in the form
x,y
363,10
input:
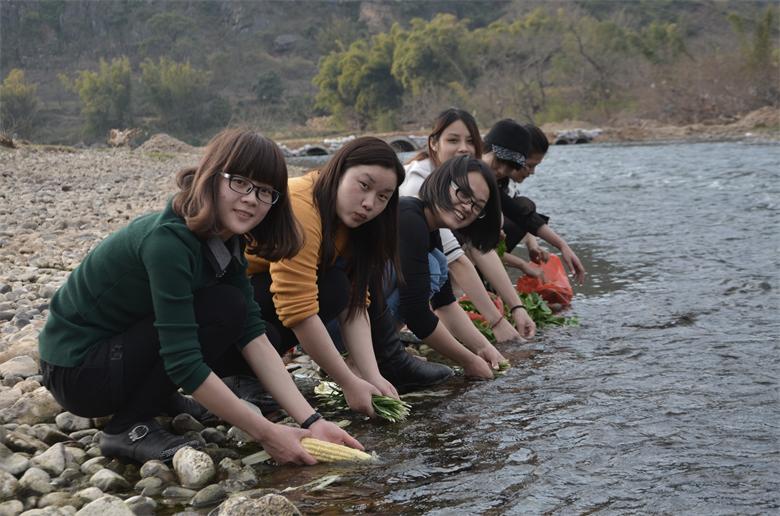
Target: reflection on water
x,y
664,400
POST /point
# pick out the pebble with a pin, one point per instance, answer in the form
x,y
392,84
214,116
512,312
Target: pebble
x,y
105,506
68,422
142,505
35,481
208,496
107,480
194,468
11,508
8,486
269,504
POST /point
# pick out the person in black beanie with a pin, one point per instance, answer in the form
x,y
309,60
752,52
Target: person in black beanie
x,y
508,146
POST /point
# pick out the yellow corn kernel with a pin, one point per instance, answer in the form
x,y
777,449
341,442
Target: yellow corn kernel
x,y
324,451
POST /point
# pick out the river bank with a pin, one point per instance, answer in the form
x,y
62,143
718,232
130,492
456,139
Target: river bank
x,y
57,204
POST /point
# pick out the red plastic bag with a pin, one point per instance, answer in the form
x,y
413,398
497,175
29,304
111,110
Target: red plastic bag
x,y
556,288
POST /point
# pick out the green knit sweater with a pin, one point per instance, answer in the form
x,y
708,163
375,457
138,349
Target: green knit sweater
x,y
153,266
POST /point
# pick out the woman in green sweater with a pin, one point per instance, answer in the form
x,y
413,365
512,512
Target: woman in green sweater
x,y
165,303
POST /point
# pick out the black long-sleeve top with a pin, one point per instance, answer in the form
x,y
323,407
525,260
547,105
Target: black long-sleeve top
x,y
416,241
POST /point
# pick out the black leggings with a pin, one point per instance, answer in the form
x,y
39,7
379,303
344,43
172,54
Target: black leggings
x,y
333,287
125,375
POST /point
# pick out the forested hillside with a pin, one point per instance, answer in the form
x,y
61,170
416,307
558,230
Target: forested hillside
x,y
71,70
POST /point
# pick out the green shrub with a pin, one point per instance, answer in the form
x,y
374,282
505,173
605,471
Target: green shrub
x,y
18,104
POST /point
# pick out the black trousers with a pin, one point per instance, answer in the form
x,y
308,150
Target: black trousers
x,y
125,375
333,287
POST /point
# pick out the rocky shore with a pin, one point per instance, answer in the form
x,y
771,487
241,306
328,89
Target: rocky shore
x,y
57,204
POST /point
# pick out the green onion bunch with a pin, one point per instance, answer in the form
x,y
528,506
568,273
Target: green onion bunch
x,y
391,409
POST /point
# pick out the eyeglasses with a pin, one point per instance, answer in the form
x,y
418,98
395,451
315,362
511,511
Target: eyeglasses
x,y
477,209
244,186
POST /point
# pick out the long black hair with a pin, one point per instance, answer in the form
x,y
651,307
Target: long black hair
x,y
372,244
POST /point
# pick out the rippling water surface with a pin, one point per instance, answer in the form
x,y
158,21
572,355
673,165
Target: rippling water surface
x,y
664,400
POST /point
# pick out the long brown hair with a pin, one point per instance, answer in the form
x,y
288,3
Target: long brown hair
x,y
248,154
373,244
445,119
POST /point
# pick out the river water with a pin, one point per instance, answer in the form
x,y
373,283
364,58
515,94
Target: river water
x,y
663,400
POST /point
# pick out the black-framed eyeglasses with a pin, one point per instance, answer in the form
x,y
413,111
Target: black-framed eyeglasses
x,y
465,198
244,186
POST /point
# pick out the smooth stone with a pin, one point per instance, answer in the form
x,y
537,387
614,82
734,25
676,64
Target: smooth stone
x,y
52,461
194,468
183,423
268,505
17,441
89,494
106,506
8,486
156,468
67,477
13,463
68,422
107,481
29,384
212,435
67,510
209,495
35,481
142,505
80,434
38,406
11,508
23,366
238,435
228,468
178,492
56,499
148,482
48,434
93,465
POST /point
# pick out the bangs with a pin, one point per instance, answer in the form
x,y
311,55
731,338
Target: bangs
x,y
257,158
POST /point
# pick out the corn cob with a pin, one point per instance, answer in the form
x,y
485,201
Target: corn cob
x,y
324,451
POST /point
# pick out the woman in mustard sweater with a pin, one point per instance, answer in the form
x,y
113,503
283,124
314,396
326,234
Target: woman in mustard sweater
x,y
348,211
165,303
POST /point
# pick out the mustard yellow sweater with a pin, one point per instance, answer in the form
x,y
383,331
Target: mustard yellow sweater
x,y
294,281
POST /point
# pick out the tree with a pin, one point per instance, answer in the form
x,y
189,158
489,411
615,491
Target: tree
x,y
268,88
179,94
105,95
18,104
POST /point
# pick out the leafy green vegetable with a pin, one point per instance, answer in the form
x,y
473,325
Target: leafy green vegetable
x,y
501,247
541,313
393,410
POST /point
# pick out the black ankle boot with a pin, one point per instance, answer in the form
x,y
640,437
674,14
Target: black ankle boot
x,y
403,370
144,441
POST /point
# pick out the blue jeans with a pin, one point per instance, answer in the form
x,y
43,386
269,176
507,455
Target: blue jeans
x,y
437,267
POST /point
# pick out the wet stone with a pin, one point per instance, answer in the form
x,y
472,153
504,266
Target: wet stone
x,y
212,435
177,492
156,468
269,504
142,505
209,495
186,423
109,481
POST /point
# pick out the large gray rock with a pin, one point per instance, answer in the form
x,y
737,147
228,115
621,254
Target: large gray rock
x,y
106,506
194,468
38,406
22,365
268,505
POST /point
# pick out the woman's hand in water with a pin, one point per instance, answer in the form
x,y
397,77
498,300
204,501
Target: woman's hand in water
x,y
504,331
477,367
283,444
385,388
491,355
327,431
573,264
523,322
358,395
